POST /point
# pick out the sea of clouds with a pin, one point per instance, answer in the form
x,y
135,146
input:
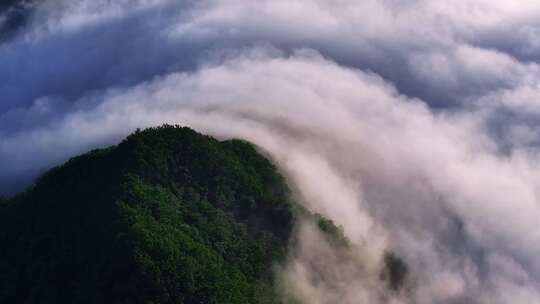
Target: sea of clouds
x,y
413,124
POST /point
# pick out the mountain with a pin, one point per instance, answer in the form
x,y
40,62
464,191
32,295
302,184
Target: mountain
x,y
167,216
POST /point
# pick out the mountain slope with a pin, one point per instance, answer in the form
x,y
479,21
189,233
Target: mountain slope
x,y
167,216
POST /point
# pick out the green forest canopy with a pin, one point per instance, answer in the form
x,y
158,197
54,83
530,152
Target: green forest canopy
x,y
167,216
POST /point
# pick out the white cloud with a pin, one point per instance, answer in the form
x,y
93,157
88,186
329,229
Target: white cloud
x,y
387,168
354,128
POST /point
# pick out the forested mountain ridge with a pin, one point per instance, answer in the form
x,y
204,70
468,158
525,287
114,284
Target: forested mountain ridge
x,y
167,216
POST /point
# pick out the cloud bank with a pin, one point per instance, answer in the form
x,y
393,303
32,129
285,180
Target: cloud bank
x,y
412,124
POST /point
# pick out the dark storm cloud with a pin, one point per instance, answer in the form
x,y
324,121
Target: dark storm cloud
x,y
13,17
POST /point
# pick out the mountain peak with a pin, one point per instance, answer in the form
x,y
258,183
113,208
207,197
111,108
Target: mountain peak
x,y
167,216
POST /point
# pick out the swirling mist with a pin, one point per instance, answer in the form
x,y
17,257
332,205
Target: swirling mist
x,y
412,124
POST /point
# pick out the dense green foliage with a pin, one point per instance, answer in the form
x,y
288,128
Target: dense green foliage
x,y
333,234
167,216
395,271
